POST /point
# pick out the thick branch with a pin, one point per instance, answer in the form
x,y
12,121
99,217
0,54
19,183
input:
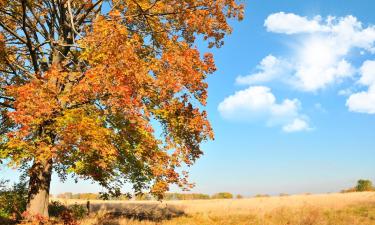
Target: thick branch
x,y
34,58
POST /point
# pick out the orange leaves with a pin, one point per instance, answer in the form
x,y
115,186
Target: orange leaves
x,y
35,102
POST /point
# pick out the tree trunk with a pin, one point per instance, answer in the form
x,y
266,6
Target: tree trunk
x,y
39,185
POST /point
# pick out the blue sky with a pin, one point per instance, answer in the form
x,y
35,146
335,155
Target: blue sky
x,y
292,103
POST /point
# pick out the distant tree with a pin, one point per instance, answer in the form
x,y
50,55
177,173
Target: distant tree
x,y
87,196
364,185
185,196
222,195
283,194
261,196
66,195
239,196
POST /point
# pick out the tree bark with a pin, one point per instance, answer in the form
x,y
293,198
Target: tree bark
x,y
39,185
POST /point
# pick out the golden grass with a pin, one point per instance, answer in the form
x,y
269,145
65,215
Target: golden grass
x,y
327,209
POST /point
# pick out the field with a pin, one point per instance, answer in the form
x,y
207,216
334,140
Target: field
x,y
326,209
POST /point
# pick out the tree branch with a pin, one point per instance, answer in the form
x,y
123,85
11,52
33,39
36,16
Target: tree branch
x,y
33,55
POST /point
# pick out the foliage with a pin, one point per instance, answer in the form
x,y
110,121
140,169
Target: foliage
x,y
364,185
83,87
13,199
78,211
222,195
69,215
56,208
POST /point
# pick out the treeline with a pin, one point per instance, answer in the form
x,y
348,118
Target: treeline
x,y
90,196
190,196
145,197
87,196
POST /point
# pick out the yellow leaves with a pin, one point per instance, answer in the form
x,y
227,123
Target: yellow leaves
x,y
159,188
83,128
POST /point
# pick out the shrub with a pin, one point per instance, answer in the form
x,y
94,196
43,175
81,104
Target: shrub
x,y
222,195
364,185
13,200
78,211
56,209
67,214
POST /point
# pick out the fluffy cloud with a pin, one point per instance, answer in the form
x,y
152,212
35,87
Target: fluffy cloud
x,y
296,125
289,23
270,68
319,57
364,102
258,103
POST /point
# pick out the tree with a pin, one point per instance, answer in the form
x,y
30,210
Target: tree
x,y
86,85
239,196
222,195
364,185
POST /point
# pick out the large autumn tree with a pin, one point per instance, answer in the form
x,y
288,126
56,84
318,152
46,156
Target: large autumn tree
x,y
108,90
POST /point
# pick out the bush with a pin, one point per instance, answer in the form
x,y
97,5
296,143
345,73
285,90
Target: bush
x,y
13,200
222,195
78,211
56,208
364,185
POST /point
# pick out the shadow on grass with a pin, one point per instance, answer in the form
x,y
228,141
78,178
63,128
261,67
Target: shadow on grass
x,y
138,211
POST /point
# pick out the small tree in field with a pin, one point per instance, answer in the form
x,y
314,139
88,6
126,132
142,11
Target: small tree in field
x,y
84,83
222,195
364,185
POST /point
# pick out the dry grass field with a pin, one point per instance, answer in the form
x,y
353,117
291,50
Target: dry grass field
x,y
326,209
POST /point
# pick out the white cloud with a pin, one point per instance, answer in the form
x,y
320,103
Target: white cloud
x,y
364,101
258,103
296,125
319,58
368,73
270,68
289,23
